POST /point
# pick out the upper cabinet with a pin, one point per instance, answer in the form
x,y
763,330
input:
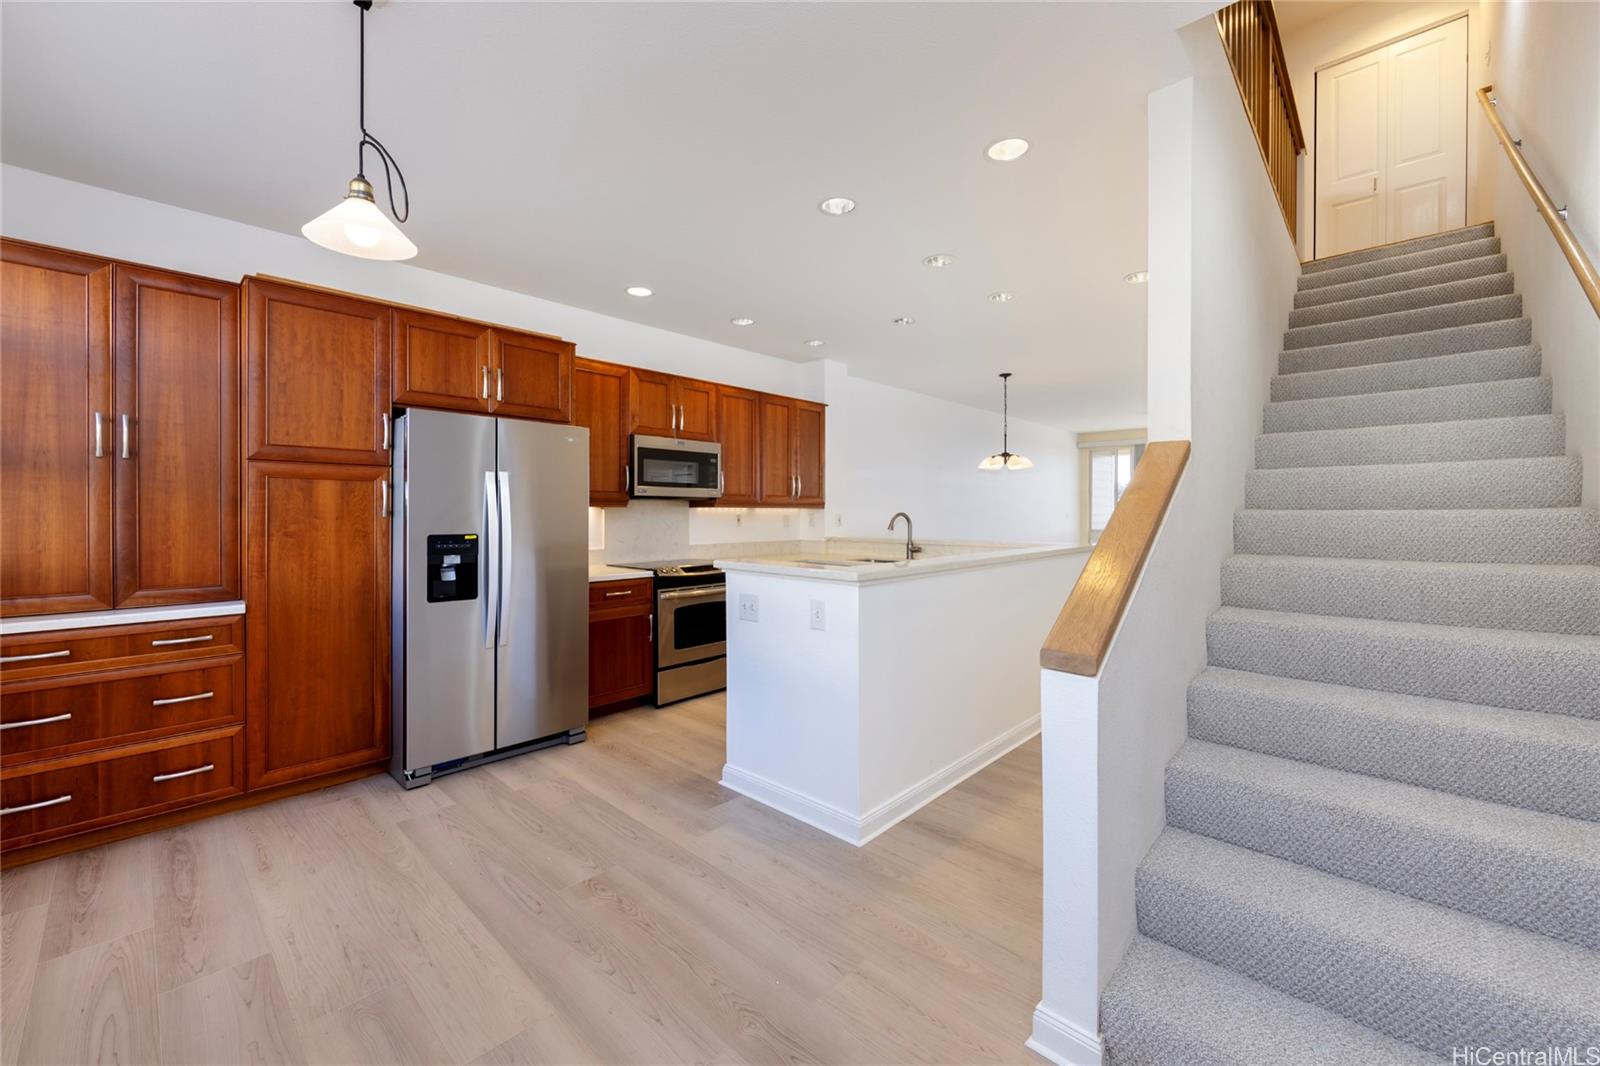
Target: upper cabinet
x,y
810,423
600,404
532,376
793,451
317,381
739,426
666,406
119,463
440,361
59,437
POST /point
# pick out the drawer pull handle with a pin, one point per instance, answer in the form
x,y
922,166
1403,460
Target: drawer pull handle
x,y
624,592
182,640
35,806
158,778
182,699
37,721
62,654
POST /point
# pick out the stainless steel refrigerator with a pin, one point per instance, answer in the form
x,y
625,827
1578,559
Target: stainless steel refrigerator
x,y
491,560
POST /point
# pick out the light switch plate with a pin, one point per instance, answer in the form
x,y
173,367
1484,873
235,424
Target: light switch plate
x,y
819,616
749,607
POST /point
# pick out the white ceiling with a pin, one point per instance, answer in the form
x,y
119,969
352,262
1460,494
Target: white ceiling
x,y
571,150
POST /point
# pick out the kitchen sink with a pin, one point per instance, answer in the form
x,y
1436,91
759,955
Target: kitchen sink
x,y
846,561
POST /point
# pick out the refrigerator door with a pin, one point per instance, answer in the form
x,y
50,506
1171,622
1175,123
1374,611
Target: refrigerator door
x,y
450,523
543,636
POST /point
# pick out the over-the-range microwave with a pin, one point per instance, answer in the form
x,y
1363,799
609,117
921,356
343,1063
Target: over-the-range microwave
x,y
676,469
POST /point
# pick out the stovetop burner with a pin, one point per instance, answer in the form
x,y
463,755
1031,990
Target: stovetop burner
x,y
676,567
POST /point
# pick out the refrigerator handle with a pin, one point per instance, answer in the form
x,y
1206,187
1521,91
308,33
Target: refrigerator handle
x,y
507,554
491,552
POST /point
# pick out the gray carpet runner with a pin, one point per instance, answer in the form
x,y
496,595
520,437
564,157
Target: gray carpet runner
x,y
1383,834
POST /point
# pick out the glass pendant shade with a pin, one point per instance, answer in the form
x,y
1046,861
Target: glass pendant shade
x,y
1006,461
1005,458
355,226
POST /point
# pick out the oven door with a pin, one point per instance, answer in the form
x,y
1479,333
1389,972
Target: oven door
x,y
693,624
678,469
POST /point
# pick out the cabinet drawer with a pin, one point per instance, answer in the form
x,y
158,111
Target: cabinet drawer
x,y
619,593
48,718
72,651
66,797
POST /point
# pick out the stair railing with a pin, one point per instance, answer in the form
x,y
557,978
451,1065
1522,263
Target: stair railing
x,y
1249,31
1554,217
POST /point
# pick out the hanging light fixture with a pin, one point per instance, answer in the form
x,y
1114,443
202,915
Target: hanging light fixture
x,y
355,225
1004,459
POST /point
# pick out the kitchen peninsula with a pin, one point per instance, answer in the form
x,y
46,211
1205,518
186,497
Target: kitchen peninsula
x,y
862,685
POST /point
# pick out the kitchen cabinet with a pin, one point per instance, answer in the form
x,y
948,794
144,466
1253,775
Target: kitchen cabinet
x,y
317,380
600,404
739,432
662,405
532,376
440,361
793,451
317,633
810,424
622,656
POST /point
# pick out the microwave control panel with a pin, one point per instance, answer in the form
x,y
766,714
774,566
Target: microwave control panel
x,y
452,567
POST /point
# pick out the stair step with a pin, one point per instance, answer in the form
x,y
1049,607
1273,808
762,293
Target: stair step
x,y
1535,599
1546,481
1387,303
1438,274
1556,673
1401,323
1415,971
1467,854
1399,248
1539,762
1164,1006
1521,436
1459,368
1444,403
1474,337
1399,264
1558,536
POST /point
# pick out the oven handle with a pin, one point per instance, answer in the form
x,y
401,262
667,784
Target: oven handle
x,y
694,594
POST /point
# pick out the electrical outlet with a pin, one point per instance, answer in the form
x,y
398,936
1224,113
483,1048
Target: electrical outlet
x,y
749,607
819,617
838,520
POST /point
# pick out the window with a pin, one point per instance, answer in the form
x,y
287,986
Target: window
x,y
1110,470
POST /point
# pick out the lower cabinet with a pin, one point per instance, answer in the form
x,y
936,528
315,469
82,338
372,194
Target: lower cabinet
x,y
317,623
622,650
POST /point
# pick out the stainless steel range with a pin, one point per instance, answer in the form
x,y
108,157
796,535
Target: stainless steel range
x,y
691,628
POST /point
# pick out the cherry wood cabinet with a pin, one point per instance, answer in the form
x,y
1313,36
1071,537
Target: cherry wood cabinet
x,y
622,655
317,633
317,375
532,376
739,431
57,442
440,361
793,450
810,445
600,404
662,405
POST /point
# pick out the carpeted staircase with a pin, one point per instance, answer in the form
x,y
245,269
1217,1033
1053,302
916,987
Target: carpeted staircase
x,y
1383,834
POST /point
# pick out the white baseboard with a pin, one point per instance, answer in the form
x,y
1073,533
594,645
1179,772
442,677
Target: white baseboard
x,y
838,822
1061,1041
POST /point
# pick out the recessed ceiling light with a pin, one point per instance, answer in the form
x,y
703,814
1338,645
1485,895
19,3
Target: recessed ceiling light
x,y
1007,150
1002,297
640,290
742,321
905,320
815,344
1138,277
938,260
837,205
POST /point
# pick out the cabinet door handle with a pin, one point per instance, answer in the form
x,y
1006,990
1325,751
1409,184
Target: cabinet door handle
x,y
651,638
485,383
181,640
125,453
499,383
182,699
383,504
158,778
796,492
37,721
62,654
99,435
35,806
384,419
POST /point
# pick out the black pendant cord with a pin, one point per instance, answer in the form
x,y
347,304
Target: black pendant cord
x,y
1005,415
384,155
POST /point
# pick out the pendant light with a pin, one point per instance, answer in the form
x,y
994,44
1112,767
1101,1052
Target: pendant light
x,y
1004,459
356,225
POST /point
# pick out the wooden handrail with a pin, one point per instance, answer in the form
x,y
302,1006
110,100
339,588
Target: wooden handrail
x,y
1250,37
1568,241
1082,633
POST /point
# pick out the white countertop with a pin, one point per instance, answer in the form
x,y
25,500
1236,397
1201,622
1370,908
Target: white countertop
x,y
841,565
39,623
602,572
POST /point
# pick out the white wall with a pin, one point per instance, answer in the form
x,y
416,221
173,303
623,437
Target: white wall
x,y
1544,70
889,449
1107,739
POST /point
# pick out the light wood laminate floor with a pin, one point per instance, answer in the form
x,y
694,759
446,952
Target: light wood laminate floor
x,y
607,902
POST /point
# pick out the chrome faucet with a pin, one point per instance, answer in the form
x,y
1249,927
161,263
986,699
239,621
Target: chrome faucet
x,y
912,548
